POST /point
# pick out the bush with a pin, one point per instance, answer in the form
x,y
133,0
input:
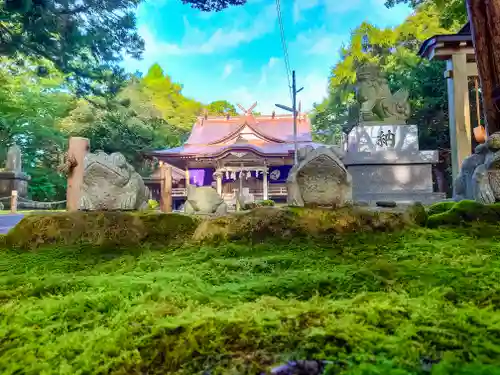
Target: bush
x,y
252,205
440,207
267,202
465,212
113,229
152,204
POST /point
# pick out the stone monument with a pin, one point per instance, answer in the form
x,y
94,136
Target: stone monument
x,y
320,178
110,183
12,177
383,155
479,177
204,200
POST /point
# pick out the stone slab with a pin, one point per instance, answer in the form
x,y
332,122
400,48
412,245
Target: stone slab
x,y
391,178
406,197
391,157
372,138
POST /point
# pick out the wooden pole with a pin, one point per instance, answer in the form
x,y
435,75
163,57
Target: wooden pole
x,y
484,16
162,187
166,188
77,149
459,111
167,198
13,201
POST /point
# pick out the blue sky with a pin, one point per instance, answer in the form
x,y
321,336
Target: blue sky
x,y
236,54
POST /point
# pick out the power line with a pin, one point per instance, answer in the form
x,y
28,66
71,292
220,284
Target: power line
x,y
285,48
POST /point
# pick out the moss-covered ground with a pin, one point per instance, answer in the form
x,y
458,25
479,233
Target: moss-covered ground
x,y
371,303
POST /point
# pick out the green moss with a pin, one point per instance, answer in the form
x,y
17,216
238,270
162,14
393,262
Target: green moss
x,y
284,223
418,214
466,212
440,207
371,303
106,229
165,228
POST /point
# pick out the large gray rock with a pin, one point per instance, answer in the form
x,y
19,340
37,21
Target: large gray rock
x,y
110,183
204,200
479,177
320,178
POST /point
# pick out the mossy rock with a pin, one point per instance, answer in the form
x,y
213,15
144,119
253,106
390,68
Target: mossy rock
x,y
284,223
102,229
465,212
440,207
168,227
417,214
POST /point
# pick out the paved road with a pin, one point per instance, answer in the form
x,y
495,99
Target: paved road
x,y
8,221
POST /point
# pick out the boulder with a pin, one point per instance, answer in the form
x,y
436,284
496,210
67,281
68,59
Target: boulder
x,y
110,183
319,179
204,200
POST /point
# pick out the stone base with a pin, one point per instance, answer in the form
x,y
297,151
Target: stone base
x,y
13,181
402,177
374,137
403,197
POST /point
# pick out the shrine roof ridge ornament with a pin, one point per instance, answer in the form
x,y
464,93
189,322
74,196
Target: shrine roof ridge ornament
x,y
249,111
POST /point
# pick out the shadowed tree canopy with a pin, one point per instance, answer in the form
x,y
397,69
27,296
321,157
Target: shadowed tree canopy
x,y
213,5
84,39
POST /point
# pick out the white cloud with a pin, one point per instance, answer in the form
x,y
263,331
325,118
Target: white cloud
x,y
196,41
376,11
230,67
268,69
300,6
331,6
319,42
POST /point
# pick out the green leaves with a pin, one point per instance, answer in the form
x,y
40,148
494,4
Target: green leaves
x,y
221,108
395,50
85,39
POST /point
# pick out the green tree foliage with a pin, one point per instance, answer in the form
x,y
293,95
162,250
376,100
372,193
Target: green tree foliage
x,y
221,108
452,13
30,106
395,51
166,95
140,119
39,113
85,39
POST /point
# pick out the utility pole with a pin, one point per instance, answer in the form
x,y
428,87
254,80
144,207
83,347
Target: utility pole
x,y
294,111
294,107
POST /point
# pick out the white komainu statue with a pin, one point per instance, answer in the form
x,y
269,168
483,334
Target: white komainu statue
x,y
110,183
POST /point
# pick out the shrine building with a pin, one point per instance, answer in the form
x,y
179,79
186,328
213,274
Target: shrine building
x,y
247,152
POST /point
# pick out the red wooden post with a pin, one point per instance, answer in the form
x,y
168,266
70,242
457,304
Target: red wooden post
x,y
77,149
166,188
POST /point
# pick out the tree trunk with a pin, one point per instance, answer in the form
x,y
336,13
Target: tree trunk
x,y
484,16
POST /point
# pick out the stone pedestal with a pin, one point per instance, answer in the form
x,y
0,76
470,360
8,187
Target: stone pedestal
x,y
10,180
386,165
